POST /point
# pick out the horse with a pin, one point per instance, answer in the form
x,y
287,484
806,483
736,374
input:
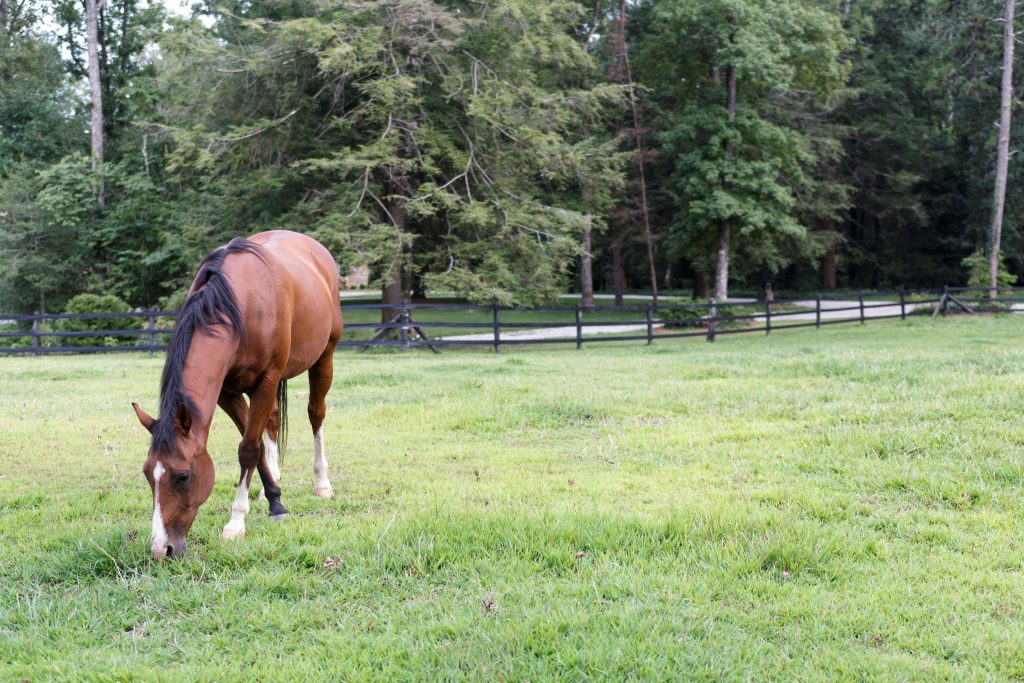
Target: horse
x,y
260,311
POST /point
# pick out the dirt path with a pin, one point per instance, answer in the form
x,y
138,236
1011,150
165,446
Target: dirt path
x,y
879,309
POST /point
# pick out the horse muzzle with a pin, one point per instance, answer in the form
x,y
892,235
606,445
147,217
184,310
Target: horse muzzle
x,y
171,548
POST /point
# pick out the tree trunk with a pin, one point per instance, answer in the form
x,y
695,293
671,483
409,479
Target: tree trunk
x,y
828,269
96,98
722,264
587,271
392,286
700,285
724,232
618,274
1003,153
648,235
6,29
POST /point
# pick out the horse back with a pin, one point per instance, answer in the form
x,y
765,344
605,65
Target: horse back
x,y
292,313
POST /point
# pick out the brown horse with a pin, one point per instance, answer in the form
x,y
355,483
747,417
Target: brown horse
x,y
260,311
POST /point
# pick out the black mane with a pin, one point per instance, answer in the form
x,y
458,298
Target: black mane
x,y
212,303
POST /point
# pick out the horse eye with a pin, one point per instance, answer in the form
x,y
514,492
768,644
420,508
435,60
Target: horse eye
x,y
181,477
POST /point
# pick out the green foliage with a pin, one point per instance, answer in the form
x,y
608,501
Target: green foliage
x,y
747,171
978,275
96,303
55,241
468,146
423,136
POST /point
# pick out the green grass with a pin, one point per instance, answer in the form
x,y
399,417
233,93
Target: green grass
x,y
842,504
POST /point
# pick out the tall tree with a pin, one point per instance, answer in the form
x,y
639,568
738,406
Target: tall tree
x,y
1003,150
436,141
739,158
95,94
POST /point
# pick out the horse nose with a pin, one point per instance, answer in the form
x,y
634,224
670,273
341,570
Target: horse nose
x,y
171,550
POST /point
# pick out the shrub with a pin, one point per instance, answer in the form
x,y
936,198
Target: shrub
x,y
97,303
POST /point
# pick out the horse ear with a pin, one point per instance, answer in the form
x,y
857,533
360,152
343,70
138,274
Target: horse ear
x,y
145,418
184,418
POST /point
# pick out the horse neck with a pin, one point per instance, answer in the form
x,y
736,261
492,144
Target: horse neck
x,y
209,359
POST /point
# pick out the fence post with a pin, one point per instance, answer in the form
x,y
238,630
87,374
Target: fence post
x,y
405,327
768,317
35,333
903,305
650,324
817,311
497,329
579,327
860,298
945,299
712,316
150,334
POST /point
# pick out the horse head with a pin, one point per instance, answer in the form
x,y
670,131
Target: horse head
x,y
180,474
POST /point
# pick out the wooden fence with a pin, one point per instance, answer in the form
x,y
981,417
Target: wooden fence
x,y
408,329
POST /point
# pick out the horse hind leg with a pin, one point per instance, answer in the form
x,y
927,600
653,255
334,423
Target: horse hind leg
x,y
270,444
320,377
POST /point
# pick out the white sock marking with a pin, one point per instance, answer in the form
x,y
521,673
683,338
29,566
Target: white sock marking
x,y
158,537
322,482
272,463
273,454
239,509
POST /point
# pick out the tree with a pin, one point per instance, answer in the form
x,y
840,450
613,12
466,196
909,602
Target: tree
x,y
1003,153
436,141
738,162
95,95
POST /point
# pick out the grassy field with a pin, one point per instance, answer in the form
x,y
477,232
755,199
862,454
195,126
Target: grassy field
x,y
842,504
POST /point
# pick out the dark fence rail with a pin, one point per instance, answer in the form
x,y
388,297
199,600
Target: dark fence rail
x,y
409,329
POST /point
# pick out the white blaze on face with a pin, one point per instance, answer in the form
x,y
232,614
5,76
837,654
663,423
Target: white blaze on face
x,y
159,534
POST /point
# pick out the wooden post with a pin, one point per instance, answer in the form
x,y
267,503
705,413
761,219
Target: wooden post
x,y
945,299
817,311
768,317
712,316
579,327
860,298
404,318
150,334
497,329
35,333
903,305
650,324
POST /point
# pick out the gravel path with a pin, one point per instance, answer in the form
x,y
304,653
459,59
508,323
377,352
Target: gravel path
x,y
828,312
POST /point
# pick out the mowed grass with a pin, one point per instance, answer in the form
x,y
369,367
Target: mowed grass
x,y
842,504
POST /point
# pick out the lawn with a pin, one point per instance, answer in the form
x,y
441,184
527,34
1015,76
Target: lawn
x,y
817,505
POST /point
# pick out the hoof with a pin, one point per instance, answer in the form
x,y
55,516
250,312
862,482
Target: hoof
x,y
231,534
283,515
326,492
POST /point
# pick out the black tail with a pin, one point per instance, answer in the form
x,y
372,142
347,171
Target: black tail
x,y
282,413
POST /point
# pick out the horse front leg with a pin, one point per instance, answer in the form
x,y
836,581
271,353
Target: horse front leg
x,y
252,456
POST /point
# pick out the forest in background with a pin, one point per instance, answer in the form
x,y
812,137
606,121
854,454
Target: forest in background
x,y
505,150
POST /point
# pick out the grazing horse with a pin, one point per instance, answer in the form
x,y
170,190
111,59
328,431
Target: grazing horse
x,y
260,311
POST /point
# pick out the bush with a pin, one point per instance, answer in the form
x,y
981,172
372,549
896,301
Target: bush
x,y
96,303
978,275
